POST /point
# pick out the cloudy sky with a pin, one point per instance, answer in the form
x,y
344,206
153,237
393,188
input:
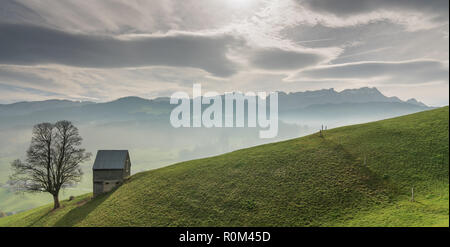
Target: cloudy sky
x,y
100,50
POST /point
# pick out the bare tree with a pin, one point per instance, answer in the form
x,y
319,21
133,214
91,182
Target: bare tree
x,y
52,160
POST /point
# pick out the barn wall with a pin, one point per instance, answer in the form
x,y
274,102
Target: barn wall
x,y
127,170
98,188
105,180
100,175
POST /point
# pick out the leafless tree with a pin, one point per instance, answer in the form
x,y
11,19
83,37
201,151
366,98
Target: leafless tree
x,y
52,160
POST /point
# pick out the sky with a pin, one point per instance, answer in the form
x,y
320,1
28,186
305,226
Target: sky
x,y
101,50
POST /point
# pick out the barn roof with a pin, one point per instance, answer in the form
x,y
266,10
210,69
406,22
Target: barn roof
x,y
110,159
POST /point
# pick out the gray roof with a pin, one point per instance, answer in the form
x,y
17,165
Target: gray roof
x,y
110,159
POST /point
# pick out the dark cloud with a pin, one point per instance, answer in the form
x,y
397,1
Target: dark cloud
x,y
350,7
380,40
29,45
319,35
14,12
126,16
408,72
279,59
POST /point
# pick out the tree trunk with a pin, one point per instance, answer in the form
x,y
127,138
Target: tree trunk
x,y
55,201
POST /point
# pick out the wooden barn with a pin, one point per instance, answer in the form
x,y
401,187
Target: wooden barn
x,y
110,169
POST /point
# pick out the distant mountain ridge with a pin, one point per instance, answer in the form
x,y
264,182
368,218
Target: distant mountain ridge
x,y
297,100
309,107
287,101
25,107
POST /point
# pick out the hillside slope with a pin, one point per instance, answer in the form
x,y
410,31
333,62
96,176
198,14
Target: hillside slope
x,y
358,175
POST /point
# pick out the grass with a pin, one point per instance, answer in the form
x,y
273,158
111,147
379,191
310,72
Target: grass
x,y
44,215
11,201
358,175
428,210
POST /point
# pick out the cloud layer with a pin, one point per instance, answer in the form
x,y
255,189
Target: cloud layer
x,y
28,45
100,50
407,72
279,59
352,7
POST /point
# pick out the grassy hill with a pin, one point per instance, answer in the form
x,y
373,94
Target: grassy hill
x,y
358,175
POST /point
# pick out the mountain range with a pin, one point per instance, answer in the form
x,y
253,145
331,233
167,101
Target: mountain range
x,y
352,101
